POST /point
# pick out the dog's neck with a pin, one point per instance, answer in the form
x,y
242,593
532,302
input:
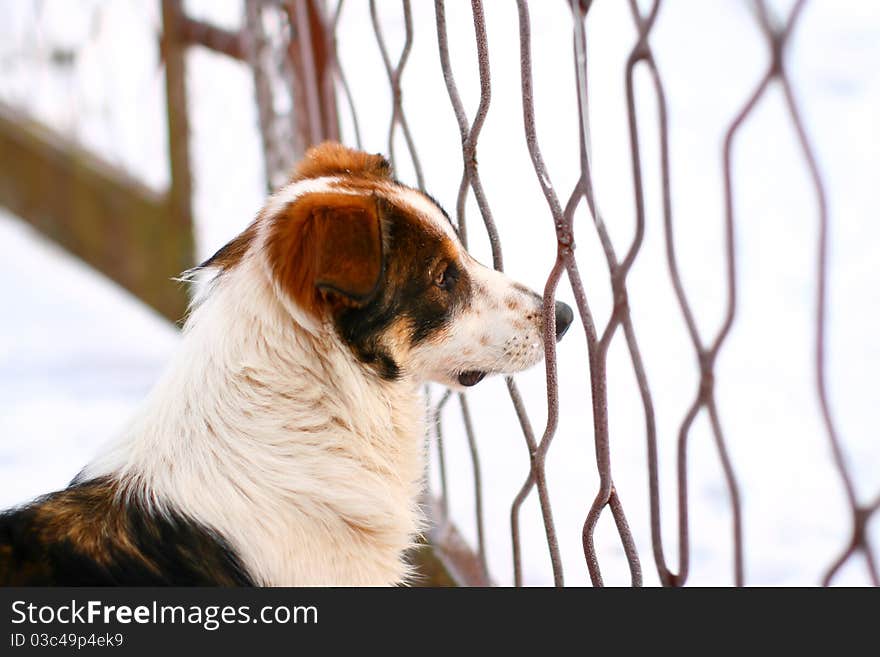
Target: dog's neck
x,y
308,464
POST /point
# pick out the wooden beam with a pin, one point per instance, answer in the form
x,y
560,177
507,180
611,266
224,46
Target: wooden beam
x,y
111,221
173,47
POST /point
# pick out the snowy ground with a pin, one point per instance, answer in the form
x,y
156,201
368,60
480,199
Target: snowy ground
x,y
77,354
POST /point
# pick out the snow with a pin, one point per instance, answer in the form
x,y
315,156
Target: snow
x,y
77,354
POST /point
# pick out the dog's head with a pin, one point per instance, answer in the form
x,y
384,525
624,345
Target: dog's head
x,y
380,264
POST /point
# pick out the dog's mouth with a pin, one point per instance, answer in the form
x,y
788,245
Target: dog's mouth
x,y
471,378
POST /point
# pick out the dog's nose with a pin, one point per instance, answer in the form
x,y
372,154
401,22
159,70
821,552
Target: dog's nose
x,y
564,317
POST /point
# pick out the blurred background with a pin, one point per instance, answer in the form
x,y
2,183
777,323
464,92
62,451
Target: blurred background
x,y
138,136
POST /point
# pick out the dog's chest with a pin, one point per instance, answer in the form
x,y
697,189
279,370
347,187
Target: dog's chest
x,y
338,504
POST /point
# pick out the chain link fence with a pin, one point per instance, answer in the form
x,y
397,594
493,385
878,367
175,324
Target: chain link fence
x,y
777,31
303,96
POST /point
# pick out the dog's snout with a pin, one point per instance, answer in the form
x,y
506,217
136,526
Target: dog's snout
x,y
564,317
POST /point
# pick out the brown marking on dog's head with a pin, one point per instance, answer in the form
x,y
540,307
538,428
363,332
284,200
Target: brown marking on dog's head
x,y
325,250
362,171
423,284
381,264
331,158
398,335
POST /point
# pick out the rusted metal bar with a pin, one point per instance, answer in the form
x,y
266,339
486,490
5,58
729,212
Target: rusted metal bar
x,y
478,483
860,513
446,558
473,567
310,51
565,261
469,136
598,350
437,425
339,73
141,239
256,50
279,152
598,343
448,548
199,33
538,461
395,73
470,179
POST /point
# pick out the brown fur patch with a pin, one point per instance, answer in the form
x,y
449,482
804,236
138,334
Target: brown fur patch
x,y
398,336
90,518
332,158
94,533
327,248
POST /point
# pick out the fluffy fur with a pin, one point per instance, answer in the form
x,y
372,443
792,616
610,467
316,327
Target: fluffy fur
x,y
284,445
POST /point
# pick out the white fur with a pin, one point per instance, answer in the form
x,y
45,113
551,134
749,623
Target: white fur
x,y
423,207
291,192
269,431
310,467
500,331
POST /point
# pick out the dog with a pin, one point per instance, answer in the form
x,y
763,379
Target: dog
x,y
285,443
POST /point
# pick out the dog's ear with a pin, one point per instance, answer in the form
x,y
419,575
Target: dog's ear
x,y
348,251
326,250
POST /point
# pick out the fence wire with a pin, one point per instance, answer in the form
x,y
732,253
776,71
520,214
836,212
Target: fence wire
x,y
290,47
599,339
705,350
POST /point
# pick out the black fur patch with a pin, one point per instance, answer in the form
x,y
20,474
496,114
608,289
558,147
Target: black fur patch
x,y
407,292
443,210
87,535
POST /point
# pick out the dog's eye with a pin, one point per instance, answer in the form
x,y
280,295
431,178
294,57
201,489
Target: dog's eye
x,y
446,276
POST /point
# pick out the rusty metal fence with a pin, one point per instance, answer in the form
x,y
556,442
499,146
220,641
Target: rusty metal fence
x,y
321,72
290,47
